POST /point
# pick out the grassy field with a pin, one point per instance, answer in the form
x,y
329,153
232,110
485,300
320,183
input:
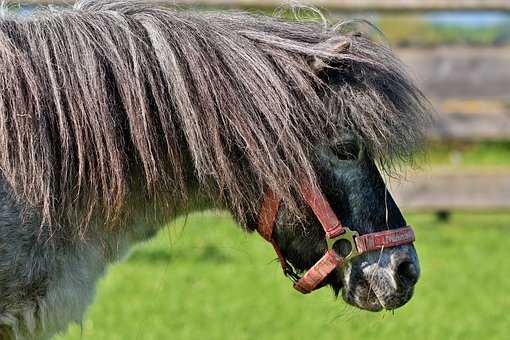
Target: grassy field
x,y
205,279
484,154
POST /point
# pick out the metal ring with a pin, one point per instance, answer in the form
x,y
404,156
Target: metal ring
x,y
348,235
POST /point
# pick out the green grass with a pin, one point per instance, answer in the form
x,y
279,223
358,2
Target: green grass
x,y
211,281
483,154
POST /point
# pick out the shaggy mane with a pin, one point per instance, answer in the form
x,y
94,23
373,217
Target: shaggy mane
x,y
111,101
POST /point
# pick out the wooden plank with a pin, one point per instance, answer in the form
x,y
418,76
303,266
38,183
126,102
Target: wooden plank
x,y
339,5
454,191
460,72
478,79
471,127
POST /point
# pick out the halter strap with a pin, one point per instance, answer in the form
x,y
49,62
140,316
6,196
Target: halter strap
x,y
385,239
334,231
322,210
315,275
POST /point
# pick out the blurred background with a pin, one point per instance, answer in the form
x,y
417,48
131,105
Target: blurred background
x,y
202,278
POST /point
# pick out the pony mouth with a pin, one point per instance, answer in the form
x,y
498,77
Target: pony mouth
x,y
369,300
371,297
361,296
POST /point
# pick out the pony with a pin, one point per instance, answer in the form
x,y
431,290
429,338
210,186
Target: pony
x,y
118,116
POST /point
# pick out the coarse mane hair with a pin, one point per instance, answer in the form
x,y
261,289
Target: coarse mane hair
x,y
112,100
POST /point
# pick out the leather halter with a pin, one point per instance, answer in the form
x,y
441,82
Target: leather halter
x,y
334,233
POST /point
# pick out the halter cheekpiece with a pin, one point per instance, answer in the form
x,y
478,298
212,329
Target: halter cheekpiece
x,y
335,232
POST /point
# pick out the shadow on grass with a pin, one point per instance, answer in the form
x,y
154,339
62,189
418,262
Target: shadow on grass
x,y
152,255
208,253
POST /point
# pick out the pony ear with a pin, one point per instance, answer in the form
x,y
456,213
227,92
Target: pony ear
x,y
330,48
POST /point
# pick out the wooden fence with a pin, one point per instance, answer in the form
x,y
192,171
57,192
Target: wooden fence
x,y
444,191
479,80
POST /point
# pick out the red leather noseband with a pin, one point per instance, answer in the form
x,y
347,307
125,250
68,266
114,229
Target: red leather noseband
x,y
334,232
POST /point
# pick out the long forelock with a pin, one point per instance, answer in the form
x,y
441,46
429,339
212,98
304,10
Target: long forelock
x,y
115,95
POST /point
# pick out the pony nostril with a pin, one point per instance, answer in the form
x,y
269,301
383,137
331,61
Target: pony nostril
x,y
407,273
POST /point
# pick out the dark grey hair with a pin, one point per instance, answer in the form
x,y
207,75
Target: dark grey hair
x,y
112,99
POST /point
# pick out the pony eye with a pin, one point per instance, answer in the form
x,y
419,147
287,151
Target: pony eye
x,y
347,150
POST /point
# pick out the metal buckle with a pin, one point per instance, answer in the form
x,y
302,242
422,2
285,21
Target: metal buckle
x,y
348,235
